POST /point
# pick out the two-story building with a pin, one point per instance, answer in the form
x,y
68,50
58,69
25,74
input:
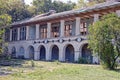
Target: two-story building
x,y
57,36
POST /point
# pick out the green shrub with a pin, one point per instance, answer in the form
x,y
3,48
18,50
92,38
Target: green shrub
x,y
57,62
32,63
83,61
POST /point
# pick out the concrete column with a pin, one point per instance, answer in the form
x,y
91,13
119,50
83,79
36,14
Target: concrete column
x,y
48,53
36,55
61,54
27,32
18,36
95,59
62,28
118,12
80,53
37,31
96,17
10,34
17,52
26,54
77,26
77,54
48,30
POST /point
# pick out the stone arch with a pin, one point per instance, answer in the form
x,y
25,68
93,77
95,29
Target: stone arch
x,y
13,52
21,53
69,52
86,53
42,52
54,52
31,52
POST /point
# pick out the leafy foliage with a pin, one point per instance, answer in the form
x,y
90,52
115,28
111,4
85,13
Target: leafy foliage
x,y
18,11
101,36
43,6
87,3
5,19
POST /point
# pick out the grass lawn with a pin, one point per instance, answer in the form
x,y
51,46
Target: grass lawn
x,y
56,71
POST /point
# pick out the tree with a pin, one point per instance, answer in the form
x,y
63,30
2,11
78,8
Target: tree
x,y
97,1
87,3
81,4
43,6
104,39
5,19
59,6
18,10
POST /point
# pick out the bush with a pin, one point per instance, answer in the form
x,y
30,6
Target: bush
x,y
32,63
83,61
57,62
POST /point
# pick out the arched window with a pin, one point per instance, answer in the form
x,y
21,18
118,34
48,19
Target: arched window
x,y
13,54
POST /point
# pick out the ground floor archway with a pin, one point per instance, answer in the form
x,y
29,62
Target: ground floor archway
x,y
42,53
55,53
31,52
21,53
13,53
86,53
69,53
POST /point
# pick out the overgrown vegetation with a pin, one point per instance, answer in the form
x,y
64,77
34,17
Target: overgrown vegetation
x,y
53,71
104,39
5,20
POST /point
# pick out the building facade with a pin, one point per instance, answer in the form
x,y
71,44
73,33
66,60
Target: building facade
x,y
57,36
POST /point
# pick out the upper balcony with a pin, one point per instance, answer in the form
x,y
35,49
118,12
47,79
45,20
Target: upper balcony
x,y
60,25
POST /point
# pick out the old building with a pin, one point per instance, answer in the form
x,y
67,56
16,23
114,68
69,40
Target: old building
x,y
57,36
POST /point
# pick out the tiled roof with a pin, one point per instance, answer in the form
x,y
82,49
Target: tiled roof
x,y
67,13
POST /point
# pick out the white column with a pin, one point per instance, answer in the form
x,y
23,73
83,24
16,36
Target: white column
x,y
26,55
96,17
37,31
36,55
77,54
62,28
18,36
95,59
17,52
48,30
61,54
10,34
27,32
118,12
77,26
48,53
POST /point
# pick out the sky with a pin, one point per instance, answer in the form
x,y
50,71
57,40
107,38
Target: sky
x,y
29,1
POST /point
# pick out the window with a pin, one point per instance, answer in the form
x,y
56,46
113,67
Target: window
x,y
83,28
14,34
84,25
7,35
55,29
23,33
32,32
43,31
68,30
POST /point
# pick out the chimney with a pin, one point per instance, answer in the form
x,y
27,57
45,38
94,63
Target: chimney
x,y
52,11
